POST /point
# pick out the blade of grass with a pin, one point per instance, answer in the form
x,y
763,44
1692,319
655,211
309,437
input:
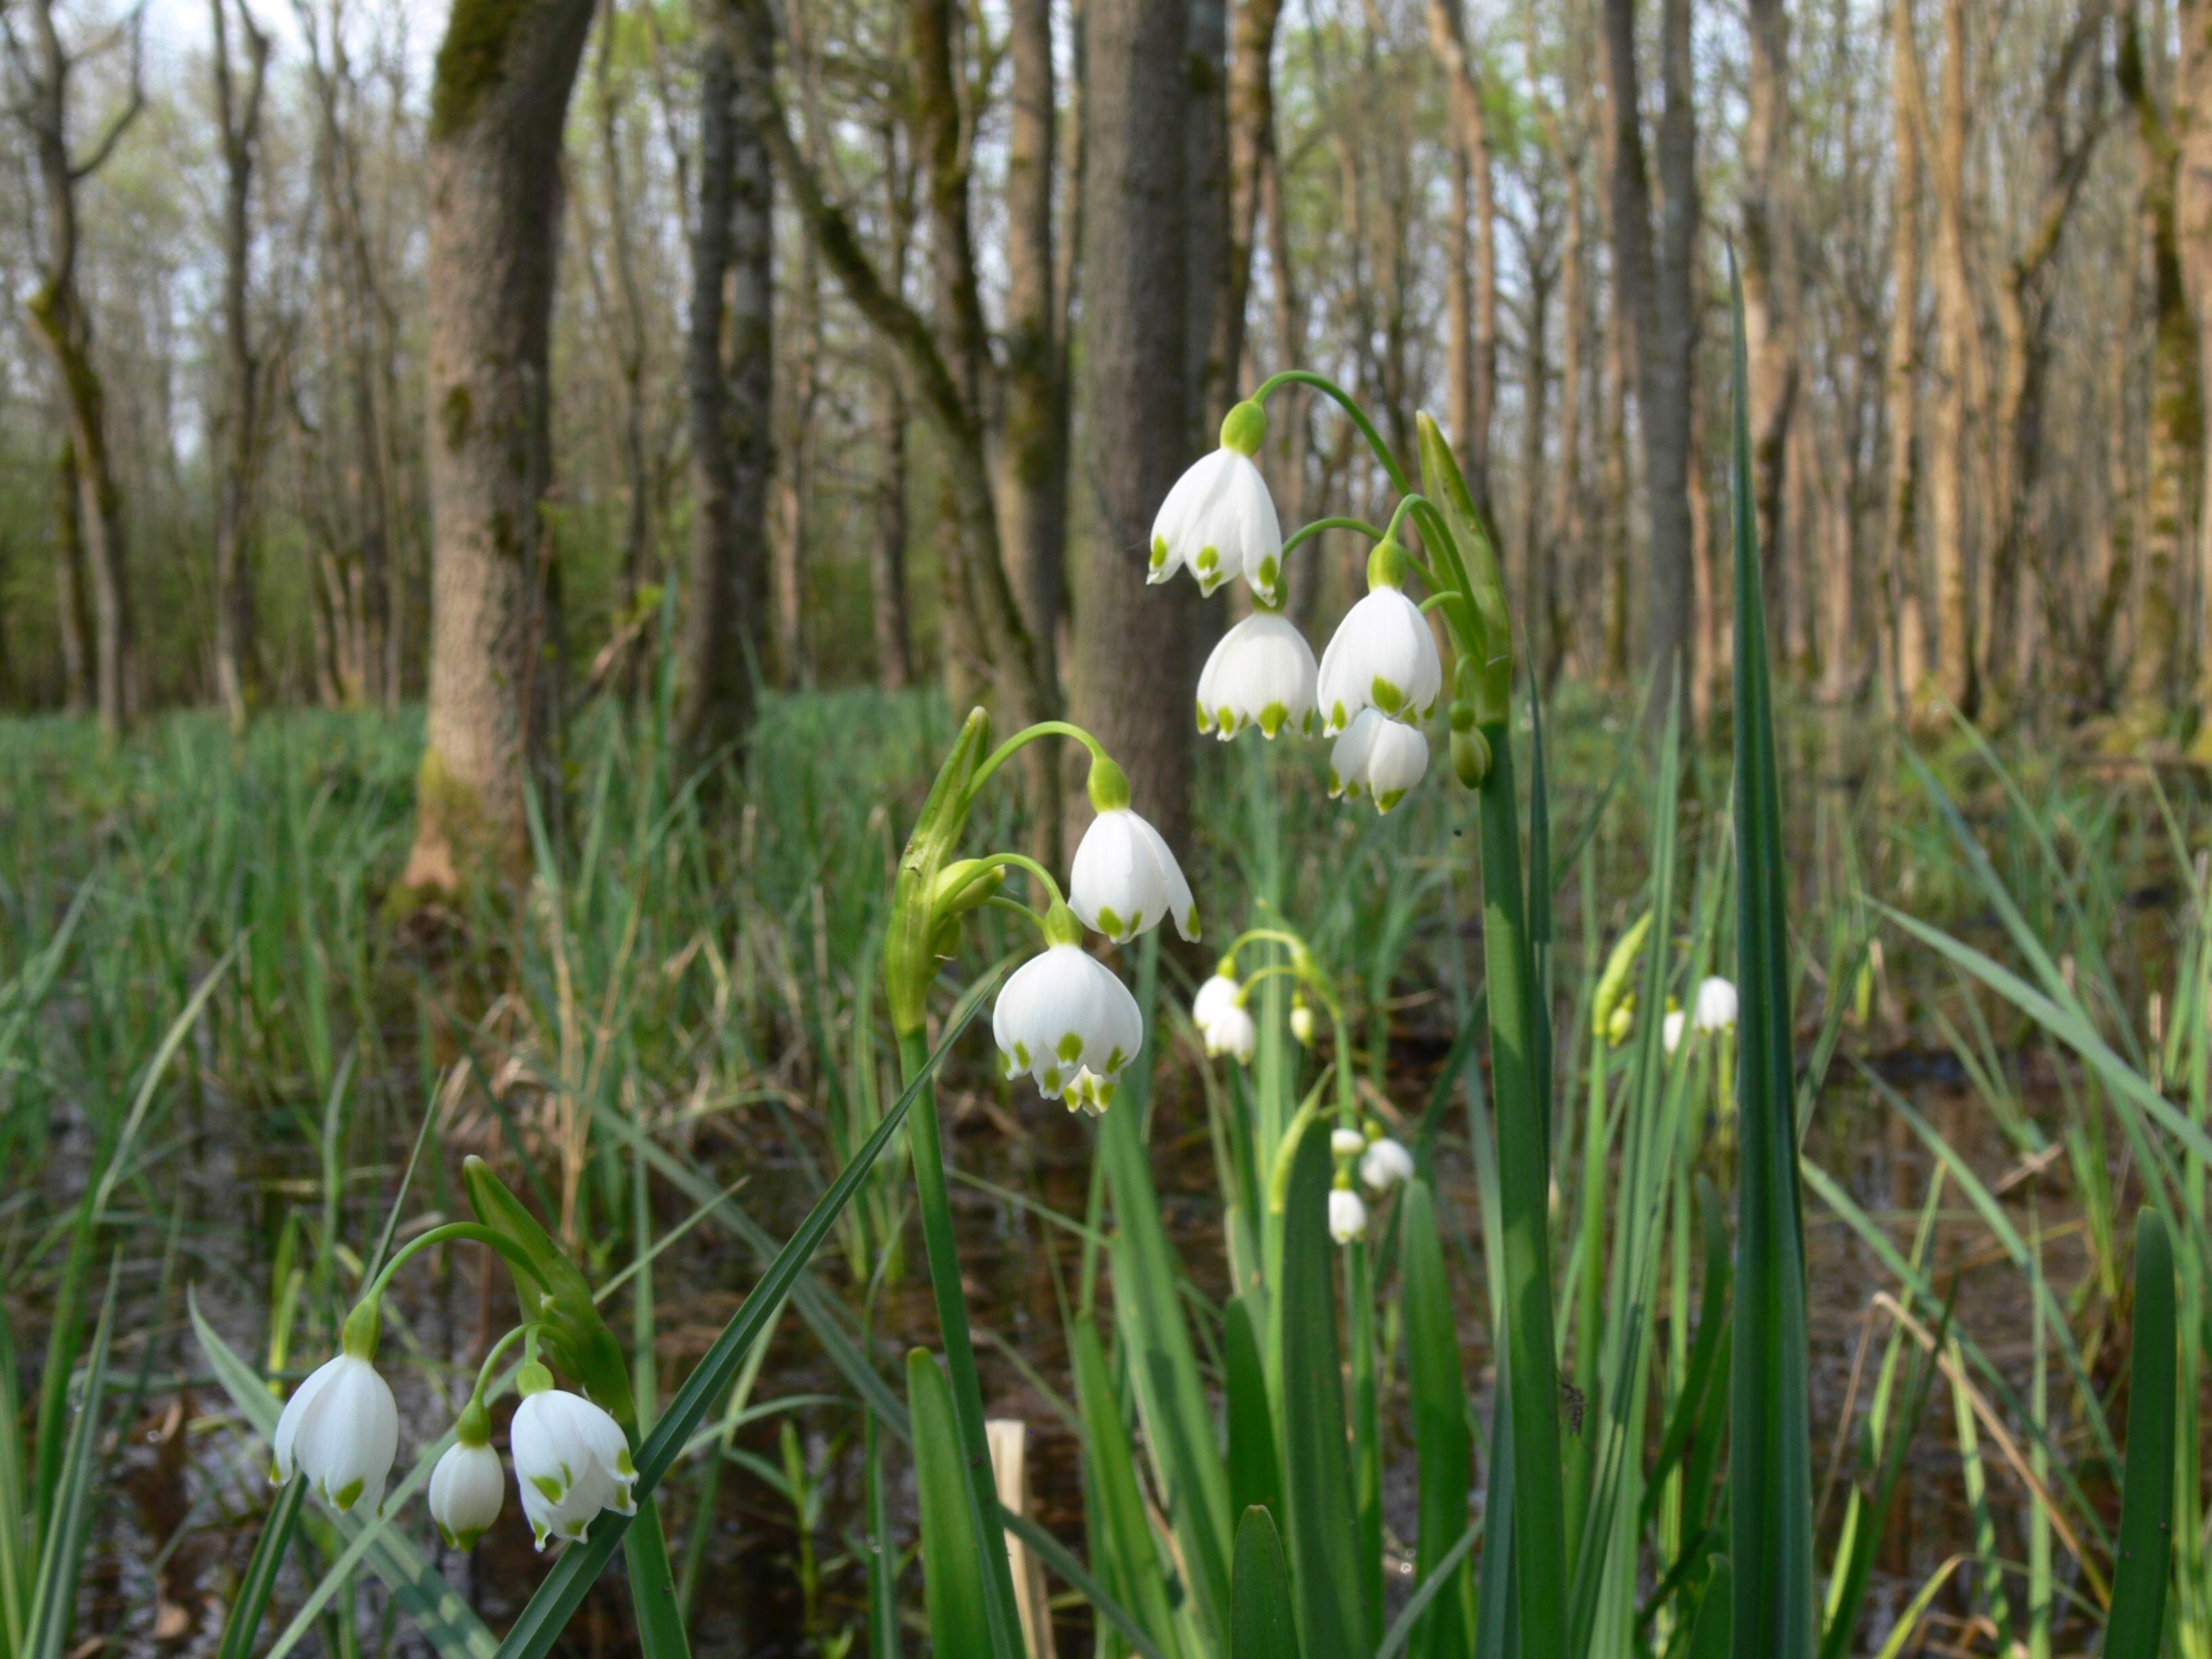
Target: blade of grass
x,y
1260,1624
2136,1627
1438,1387
1770,1472
952,1575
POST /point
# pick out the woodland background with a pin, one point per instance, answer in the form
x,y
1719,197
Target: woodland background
x,y
1977,249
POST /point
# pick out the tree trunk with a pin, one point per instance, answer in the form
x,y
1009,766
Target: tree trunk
x,y
63,326
239,434
1032,452
80,688
887,562
498,99
628,340
1901,510
1770,297
1664,389
1473,371
1135,699
2193,248
1569,514
1205,214
1954,676
732,283
1251,151
794,663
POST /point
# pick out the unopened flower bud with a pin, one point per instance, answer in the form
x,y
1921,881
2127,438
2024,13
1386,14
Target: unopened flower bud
x,y
1302,1022
1346,1143
1470,752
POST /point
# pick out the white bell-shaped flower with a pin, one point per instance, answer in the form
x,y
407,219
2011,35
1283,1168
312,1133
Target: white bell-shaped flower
x,y
1302,1023
1382,654
1384,1165
1377,758
571,1461
1222,1019
1067,1019
1261,673
1670,1029
466,1490
1347,1215
1346,1143
1219,521
341,1429
1716,1005
1125,878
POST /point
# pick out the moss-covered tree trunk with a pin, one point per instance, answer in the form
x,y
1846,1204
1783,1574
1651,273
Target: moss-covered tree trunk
x,y
497,103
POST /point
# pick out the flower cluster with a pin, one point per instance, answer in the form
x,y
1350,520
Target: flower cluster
x,y
1378,679
1382,1163
1714,1010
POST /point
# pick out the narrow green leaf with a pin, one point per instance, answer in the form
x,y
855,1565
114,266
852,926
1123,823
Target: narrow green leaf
x,y
54,1599
1133,1568
1255,1474
1316,1465
1715,1629
252,1602
1438,1386
952,1579
1770,1474
2138,1624
1260,1624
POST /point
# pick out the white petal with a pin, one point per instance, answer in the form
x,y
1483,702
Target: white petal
x,y
1347,1215
1670,1030
1234,1033
1187,524
1176,891
1385,1164
1346,1143
466,1491
1347,759
1397,758
348,1436
1717,1004
283,1445
1215,999
1067,1013
1248,520
1382,649
1116,884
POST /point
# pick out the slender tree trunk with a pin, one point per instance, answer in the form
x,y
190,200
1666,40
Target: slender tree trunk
x,y
2193,249
1251,151
1664,389
629,345
1908,664
1770,297
1570,512
498,99
63,326
887,563
1032,451
793,653
239,119
1956,326
1135,399
1206,212
1473,292
80,688
733,457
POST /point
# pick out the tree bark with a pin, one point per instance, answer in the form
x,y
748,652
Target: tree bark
x,y
2193,237
887,564
1472,368
238,438
498,99
1032,450
1953,675
1136,701
64,325
1205,211
2176,436
733,282
628,341
1769,299
80,685
1656,306
1901,510
1251,150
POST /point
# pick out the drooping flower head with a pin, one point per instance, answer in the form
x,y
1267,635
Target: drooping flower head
x,y
1715,1005
1219,521
571,1460
1347,1215
1382,654
1261,673
1125,876
467,1487
1385,1164
1065,1018
1378,757
1222,1019
1346,1143
341,1429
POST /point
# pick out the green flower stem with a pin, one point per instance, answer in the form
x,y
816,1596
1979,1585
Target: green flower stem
x,y
1306,532
1019,862
1366,1452
1406,503
452,1230
1523,1155
926,1140
483,1371
1006,750
1351,406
